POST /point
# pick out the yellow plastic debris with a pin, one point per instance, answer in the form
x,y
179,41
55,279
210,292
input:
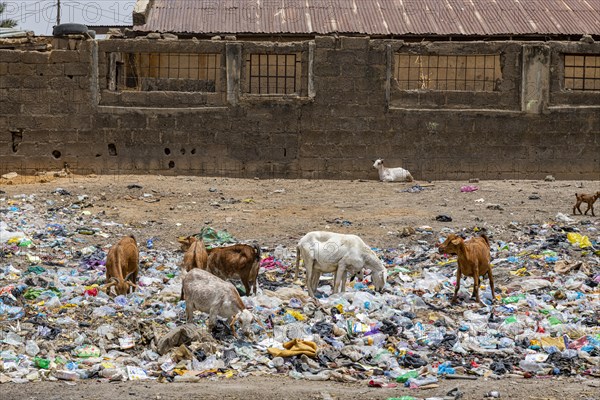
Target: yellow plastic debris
x,y
449,261
548,341
297,315
520,272
579,239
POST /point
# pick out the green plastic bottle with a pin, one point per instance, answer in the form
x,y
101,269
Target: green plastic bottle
x,y
512,299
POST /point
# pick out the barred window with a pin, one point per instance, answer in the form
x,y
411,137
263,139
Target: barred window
x,y
181,72
474,73
274,73
582,72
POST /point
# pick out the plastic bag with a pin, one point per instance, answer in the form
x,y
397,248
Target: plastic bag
x,y
577,239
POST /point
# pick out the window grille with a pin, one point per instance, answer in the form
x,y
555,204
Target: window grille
x,y
274,73
182,72
474,73
582,72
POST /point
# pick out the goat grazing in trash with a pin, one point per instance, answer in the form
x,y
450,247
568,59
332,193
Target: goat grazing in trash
x,y
339,253
473,260
237,261
195,255
391,174
218,298
122,266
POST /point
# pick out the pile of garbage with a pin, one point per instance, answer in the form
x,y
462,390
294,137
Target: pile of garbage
x,y
56,322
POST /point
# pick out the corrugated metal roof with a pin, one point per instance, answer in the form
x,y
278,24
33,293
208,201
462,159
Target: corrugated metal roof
x,y
376,17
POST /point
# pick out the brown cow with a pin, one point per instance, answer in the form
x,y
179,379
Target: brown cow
x,y
122,266
238,261
473,260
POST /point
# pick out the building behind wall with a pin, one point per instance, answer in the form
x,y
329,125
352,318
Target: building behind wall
x,y
315,91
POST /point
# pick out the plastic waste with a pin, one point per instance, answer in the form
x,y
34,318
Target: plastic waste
x,y
421,382
577,239
408,375
541,321
6,234
31,348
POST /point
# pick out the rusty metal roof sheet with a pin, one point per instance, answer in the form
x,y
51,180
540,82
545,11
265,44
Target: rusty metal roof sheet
x,y
376,17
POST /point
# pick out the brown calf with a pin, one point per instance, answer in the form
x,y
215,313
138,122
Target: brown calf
x,y
590,199
122,266
195,255
473,260
238,261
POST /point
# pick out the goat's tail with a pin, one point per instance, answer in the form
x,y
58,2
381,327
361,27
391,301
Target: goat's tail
x,y
257,252
487,240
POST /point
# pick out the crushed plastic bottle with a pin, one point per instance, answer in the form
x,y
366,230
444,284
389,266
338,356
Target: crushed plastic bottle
x,y
409,375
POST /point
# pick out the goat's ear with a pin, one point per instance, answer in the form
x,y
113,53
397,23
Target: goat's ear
x,y
456,241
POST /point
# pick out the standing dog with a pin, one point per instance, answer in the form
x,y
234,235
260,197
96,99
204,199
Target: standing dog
x,y
590,199
473,260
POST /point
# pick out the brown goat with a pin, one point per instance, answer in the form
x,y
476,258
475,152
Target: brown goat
x,y
473,260
122,266
590,199
195,255
238,261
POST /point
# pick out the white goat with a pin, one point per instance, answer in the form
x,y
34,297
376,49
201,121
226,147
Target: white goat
x,y
391,174
338,253
205,292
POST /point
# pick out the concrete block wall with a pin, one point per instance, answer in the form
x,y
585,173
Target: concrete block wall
x,y
46,104
55,107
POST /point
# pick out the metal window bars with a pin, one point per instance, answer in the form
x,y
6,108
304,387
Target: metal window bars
x,y
274,73
582,72
473,73
183,72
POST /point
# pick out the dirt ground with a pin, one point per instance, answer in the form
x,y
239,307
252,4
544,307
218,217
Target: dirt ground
x,y
280,212
278,388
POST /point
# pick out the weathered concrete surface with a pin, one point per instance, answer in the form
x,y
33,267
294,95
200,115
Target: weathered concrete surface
x,y
55,107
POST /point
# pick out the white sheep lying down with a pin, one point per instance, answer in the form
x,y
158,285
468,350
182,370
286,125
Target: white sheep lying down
x,y
208,293
392,174
338,253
